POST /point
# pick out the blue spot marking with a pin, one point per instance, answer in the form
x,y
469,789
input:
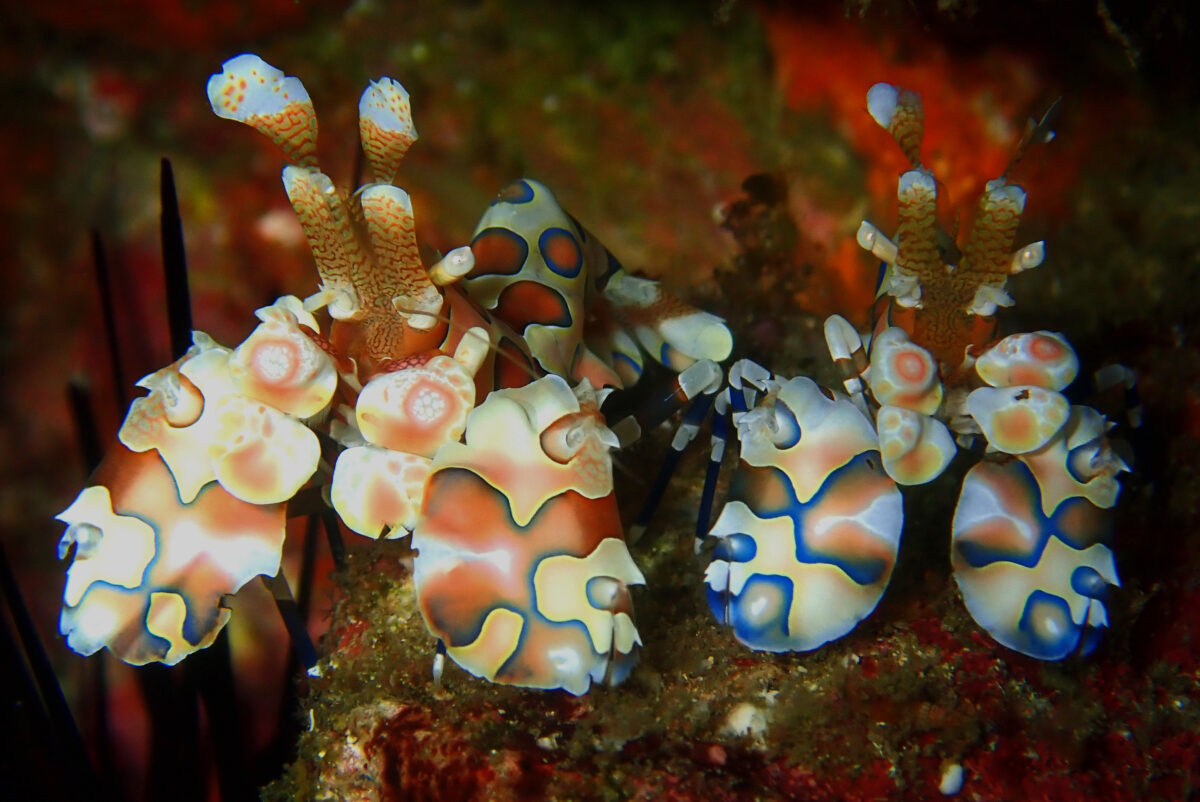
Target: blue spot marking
x,y
764,632
566,269
517,192
737,547
1086,581
789,427
1042,606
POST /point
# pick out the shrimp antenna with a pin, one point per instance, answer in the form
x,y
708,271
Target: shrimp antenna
x,y
1037,132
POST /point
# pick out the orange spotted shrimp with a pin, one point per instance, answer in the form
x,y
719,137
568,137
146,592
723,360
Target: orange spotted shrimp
x,y
463,400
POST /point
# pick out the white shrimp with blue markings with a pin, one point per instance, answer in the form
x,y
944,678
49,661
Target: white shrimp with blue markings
x,y
811,531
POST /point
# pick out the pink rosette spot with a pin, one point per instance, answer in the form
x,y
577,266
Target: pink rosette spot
x,y
418,408
279,364
1040,358
903,374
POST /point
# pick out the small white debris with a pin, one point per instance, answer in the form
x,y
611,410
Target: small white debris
x,y
952,779
746,719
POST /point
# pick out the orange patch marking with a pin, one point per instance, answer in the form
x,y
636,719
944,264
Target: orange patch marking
x,y
526,302
1018,425
498,251
562,251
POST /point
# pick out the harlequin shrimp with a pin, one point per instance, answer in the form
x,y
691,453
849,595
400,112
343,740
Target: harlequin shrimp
x,y
809,535
808,540
1030,538
449,424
